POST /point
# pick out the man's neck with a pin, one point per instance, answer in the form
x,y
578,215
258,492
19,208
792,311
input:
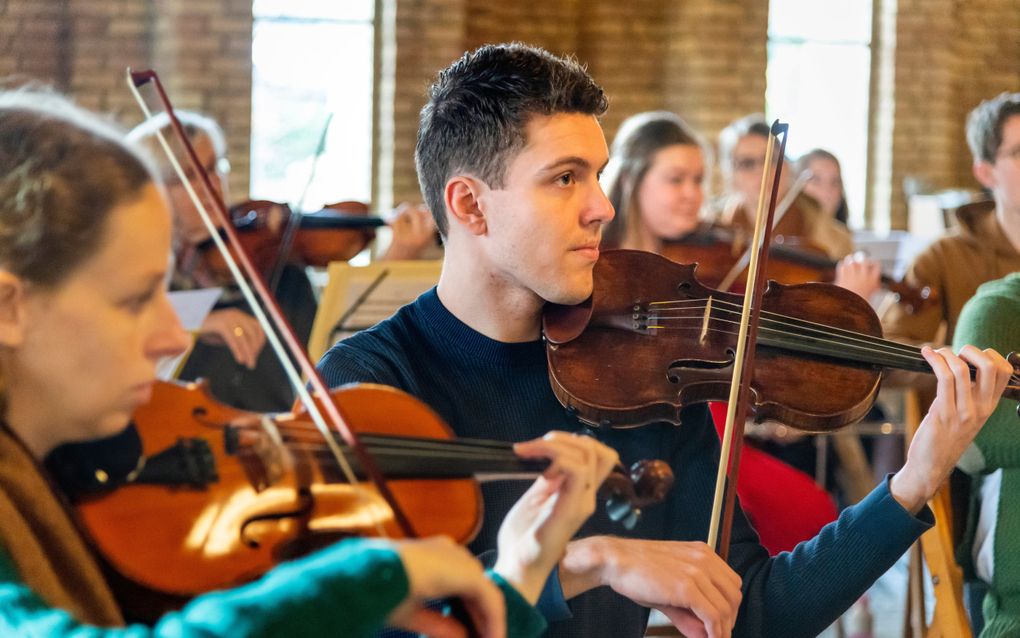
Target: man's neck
x,y
487,301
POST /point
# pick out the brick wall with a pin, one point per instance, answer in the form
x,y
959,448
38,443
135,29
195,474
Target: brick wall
x,y
705,59
944,57
201,49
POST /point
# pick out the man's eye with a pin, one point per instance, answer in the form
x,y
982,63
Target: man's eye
x,y
565,179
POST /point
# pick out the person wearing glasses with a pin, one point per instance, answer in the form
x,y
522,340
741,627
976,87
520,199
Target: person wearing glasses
x,y
984,246
742,158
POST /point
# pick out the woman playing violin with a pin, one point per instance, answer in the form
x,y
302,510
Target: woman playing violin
x,y
84,317
825,183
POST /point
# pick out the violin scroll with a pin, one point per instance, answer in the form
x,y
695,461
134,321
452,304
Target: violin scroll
x,y
627,492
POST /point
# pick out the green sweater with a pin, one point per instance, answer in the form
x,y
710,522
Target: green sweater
x,y
991,319
345,590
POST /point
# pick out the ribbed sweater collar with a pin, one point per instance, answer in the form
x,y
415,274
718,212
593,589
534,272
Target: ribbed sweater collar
x,y
464,342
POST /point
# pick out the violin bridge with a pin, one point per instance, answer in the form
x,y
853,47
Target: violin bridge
x,y
704,321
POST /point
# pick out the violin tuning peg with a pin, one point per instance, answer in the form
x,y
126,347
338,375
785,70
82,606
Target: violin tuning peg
x,y
617,510
631,520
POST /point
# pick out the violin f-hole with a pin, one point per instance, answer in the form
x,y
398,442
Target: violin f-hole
x,y
677,367
302,511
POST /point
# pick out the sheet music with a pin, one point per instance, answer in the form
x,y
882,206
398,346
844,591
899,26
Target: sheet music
x,y
358,297
192,307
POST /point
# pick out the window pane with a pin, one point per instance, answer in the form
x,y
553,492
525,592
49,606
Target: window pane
x,y
822,91
302,73
315,9
825,20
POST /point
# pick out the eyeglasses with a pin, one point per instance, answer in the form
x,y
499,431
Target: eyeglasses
x,y
747,164
218,166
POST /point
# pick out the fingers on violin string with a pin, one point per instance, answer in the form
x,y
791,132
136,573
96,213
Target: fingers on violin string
x,y
965,409
945,390
987,377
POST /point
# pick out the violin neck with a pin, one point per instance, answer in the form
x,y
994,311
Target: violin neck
x,y
401,457
789,333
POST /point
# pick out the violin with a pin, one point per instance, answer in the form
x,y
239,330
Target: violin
x,y
338,232
247,491
721,255
678,338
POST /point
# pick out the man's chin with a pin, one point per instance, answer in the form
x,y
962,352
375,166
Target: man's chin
x,y
571,296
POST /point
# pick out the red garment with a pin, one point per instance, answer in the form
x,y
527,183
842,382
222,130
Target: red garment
x,y
784,505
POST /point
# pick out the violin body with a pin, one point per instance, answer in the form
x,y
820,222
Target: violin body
x,y
643,347
717,251
792,260
236,503
223,495
337,233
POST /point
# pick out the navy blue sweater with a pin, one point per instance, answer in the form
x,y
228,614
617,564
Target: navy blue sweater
x,y
489,389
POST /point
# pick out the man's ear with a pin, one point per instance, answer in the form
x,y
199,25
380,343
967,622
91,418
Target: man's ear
x,y
12,309
984,174
463,202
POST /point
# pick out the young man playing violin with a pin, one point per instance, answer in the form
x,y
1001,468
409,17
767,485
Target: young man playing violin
x,y
84,317
509,154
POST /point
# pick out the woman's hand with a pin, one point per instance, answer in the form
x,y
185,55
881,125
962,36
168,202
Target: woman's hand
x,y
534,534
238,331
859,275
414,230
439,568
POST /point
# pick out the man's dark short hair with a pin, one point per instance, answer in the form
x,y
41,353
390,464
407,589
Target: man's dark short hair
x,y
478,108
985,122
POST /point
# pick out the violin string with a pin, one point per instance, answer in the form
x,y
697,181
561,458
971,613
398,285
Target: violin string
x,y
890,348
825,330
408,441
412,453
820,337
905,348
835,336
440,448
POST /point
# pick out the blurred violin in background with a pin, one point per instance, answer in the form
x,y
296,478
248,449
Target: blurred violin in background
x,y
722,256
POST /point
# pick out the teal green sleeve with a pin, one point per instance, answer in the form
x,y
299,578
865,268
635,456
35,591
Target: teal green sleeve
x,y
522,619
991,321
345,590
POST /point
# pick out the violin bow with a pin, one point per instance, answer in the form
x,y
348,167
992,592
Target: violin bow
x,y
781,209
744,355
290,232
260,298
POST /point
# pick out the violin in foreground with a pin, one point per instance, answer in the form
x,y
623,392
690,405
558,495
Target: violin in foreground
x,y
652,339
218,496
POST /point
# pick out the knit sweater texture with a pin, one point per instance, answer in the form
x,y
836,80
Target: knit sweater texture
x,y
488,389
